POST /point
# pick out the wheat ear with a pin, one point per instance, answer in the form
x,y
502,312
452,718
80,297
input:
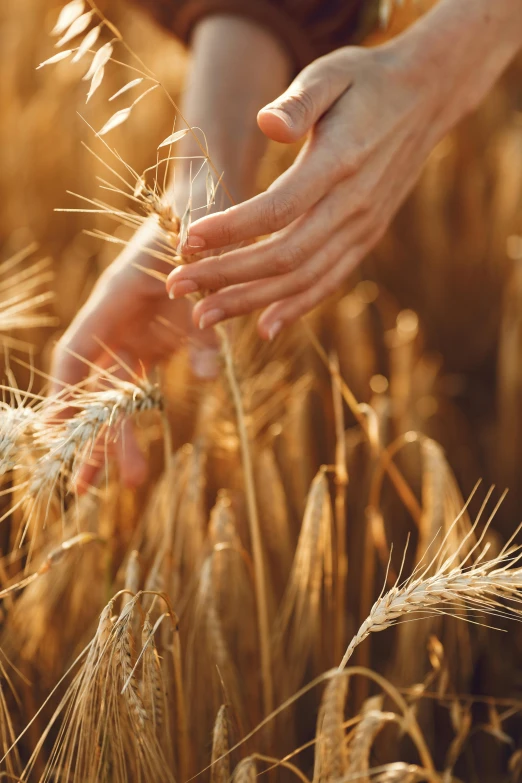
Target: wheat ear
x,y
245,772
479,588
253,520
331,759
220,770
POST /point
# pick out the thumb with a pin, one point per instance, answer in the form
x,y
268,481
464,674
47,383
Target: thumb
x,y
296,111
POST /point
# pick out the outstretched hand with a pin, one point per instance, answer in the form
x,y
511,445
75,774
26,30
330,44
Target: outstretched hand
x,y
129,317
370,129
128,311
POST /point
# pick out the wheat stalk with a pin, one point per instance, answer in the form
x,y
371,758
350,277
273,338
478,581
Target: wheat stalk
x,y
18,428
172,232
103,710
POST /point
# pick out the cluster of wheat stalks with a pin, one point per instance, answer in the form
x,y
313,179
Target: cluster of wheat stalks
x,y
202,625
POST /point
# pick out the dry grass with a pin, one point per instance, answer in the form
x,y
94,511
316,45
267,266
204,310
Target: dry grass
x,y
185,630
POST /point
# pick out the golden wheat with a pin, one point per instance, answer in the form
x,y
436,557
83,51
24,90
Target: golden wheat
x,y
233,529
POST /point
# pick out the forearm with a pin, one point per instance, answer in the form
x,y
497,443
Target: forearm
x,y
237,67
459,50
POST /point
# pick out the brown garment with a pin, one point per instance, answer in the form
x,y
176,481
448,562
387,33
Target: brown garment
x,y
308,28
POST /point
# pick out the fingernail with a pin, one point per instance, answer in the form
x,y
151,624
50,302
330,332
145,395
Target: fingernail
x,y
282,116
211,318
275,329
205,364
183,288
195,243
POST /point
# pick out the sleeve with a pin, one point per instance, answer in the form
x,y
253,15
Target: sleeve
x,y
307,28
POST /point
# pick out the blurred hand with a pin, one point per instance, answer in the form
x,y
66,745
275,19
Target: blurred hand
x,y
370,130
129,312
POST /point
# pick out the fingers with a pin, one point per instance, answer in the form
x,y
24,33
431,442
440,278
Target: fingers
x,y
286,311
296,111
247,297
309,178
318,167
284,252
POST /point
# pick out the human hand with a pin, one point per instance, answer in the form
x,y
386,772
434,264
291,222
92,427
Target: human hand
x,y
128,310
370,129
129,313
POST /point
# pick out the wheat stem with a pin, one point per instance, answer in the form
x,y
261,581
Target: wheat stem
x,y
341,483
401,485
280,763
150,73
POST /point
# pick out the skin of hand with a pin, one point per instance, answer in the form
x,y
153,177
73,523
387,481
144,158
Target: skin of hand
x,y
371,117
128,310
129,313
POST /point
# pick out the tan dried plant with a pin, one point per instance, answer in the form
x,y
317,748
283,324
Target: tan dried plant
x,y
24,295
142,696
297,624
45,450
66,579
112,711
446,583
331,757
220,761
169,234
372,721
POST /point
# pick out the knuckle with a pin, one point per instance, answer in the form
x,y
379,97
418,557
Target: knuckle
x,y
225,227
308,279
288,259
353,159
242,304
365,205
219,280
226,233
300,103
280,210
344,162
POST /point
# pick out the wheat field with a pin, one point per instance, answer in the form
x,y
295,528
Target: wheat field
x,y
320,578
